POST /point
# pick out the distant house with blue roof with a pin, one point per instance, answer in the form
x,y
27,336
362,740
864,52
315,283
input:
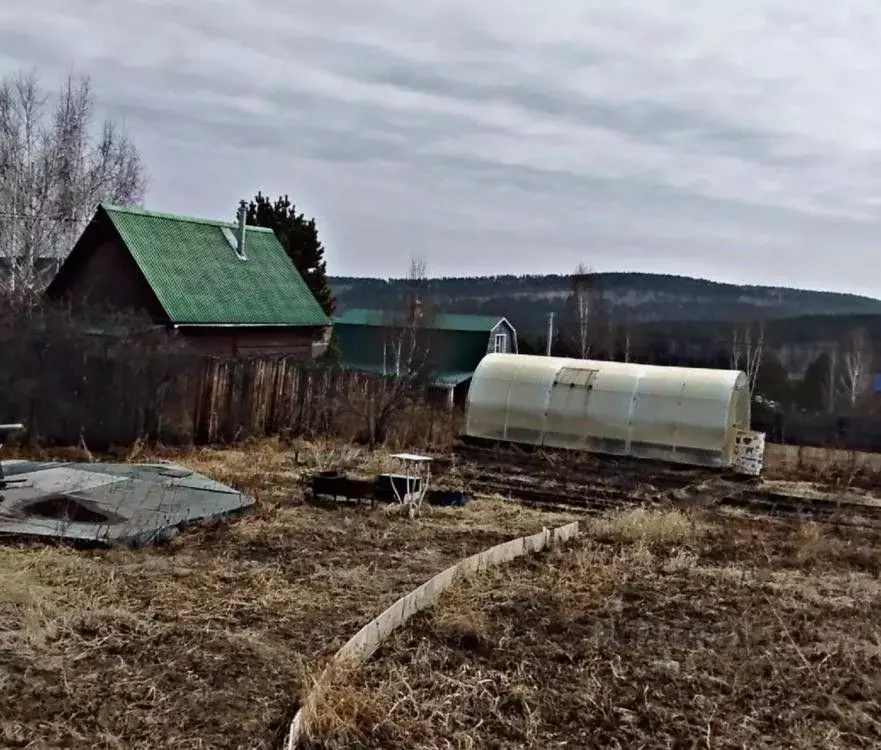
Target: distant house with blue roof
x,y
363,339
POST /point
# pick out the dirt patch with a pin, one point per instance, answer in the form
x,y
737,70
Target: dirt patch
x,y
657,630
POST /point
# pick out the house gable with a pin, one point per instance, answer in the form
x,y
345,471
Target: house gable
x,y
99,271
502,338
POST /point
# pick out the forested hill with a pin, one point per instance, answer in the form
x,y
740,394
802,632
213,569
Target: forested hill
x,y
631,298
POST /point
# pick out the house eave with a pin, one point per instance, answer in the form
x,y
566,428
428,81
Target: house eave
x,y
248,325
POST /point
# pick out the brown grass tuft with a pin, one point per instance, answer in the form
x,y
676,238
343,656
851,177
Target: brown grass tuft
x,y
341,710
467,629
648,526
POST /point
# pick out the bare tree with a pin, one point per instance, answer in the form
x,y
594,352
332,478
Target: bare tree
x,y
585,311
55,167
856,366
407,356
831,379
747,350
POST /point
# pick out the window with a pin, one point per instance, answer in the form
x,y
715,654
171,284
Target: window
x,y
500,343
575,376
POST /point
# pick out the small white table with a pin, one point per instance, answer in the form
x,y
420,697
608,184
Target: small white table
x,y
416,470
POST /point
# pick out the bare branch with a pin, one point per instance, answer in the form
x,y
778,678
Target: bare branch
x,y
856,367
747,351
407,357
584,302
54,170
418,271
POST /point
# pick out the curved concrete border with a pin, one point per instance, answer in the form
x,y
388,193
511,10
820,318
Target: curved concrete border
x,y
366,641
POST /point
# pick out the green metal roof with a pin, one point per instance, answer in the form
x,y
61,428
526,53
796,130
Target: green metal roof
x,y
439,322
440,378
198,278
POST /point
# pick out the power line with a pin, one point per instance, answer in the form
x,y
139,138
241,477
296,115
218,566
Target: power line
x,y
37,217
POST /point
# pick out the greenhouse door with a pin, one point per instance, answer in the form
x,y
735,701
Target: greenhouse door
x,y
566,416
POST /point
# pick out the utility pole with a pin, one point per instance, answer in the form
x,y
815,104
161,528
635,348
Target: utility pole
x,y
550,333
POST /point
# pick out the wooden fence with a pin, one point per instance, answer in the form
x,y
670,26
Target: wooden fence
x,y
115,395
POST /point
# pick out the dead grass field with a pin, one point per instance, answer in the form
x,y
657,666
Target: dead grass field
x,y
207,642
659,629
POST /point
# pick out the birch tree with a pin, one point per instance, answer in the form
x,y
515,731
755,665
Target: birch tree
x,y
56,165
747,350
585,302
856,366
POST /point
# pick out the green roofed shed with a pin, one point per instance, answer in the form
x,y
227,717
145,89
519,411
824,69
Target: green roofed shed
x,y
364,338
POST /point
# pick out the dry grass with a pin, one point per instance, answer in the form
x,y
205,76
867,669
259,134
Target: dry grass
x,y
207,642
649,527
656,631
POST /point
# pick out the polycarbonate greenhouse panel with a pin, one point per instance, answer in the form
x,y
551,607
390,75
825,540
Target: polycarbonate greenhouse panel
x,y
690,415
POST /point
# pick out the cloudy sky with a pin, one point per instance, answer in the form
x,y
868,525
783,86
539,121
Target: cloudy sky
x,y
733,139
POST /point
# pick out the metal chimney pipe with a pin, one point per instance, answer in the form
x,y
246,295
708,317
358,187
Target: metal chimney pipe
x,y
240,237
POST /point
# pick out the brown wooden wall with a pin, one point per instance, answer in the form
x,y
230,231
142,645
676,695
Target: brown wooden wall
x,y
251,342
109,278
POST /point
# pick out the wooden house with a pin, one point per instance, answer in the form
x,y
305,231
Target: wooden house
x,y
227,289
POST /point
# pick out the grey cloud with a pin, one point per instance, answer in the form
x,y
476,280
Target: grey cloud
x,y
28,49
380,136
314,126
651,121
487,135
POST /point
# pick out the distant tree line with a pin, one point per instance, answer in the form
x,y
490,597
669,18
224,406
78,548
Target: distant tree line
x,y
634,298
827,384
821,362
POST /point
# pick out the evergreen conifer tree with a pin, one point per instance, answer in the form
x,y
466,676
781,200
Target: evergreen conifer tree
x,y
299,237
